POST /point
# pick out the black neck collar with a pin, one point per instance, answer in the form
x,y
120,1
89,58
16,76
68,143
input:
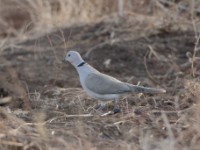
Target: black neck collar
x,y
81,64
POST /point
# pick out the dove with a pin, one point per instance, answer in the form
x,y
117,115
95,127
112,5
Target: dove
x,y
101,86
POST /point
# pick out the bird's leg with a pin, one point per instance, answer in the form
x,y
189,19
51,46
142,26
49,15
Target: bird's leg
x,y
100,106
116,108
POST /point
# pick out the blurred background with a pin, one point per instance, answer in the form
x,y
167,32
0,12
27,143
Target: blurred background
x,y
19,17
152,43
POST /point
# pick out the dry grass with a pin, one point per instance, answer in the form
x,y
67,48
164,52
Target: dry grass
x,y
30,19
48,112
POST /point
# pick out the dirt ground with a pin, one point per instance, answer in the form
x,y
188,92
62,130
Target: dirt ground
x,y
49,109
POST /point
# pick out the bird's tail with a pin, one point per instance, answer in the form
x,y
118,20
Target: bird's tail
x,y
141,89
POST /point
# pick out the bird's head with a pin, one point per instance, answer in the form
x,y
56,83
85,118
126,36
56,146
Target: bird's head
x,y
74,58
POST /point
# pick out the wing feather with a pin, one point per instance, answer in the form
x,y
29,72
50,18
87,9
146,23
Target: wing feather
x,y
104,84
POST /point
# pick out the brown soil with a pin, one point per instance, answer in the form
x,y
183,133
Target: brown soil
x,y
41,118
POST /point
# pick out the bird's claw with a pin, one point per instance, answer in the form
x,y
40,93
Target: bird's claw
x,y
116,110
97,107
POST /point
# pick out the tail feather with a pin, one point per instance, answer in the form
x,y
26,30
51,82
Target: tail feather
x,y
141,89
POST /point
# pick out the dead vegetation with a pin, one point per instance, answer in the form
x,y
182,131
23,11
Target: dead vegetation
x,y
152,43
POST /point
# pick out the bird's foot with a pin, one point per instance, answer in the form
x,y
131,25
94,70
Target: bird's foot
x,y
100,106
100,109
115,110
97,106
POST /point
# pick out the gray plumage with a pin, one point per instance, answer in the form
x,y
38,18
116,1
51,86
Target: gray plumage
x,y
103,84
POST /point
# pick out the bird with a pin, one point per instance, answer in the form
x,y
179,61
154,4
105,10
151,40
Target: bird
x,y
103,87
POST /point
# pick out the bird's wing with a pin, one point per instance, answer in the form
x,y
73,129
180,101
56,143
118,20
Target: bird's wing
x,y
103,84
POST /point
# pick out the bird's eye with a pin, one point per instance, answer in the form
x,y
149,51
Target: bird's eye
x,y
69,55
